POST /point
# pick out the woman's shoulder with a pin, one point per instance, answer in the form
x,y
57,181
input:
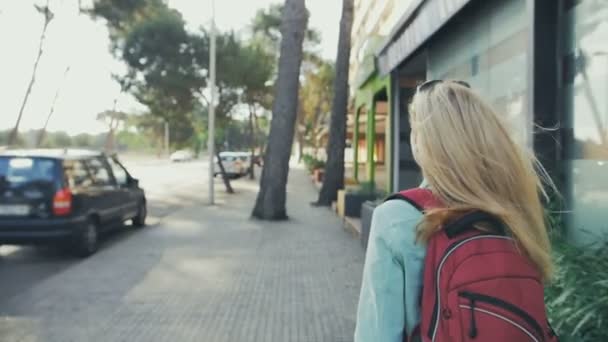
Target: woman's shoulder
x,y
398,209
396,222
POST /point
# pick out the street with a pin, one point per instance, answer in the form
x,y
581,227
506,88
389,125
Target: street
x,y
196,273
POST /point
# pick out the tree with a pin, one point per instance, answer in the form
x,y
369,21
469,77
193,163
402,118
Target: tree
x,y
48,16
42,133
258,68
270,203
83,140
163,60
334,169
112,119
266,29
315,103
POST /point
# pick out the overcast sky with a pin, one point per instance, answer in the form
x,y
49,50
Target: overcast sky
x,y
81,43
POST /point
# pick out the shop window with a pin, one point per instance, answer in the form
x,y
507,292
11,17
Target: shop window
x,y
585,58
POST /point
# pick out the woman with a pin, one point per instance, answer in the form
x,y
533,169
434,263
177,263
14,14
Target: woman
x,y
470,162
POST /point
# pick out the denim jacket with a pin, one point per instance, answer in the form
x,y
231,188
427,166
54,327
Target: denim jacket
x,y
392,276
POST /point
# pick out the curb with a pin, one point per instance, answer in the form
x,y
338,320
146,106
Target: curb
x,y
352,225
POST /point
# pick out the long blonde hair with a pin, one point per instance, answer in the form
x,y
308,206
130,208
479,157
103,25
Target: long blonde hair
x,y
471,162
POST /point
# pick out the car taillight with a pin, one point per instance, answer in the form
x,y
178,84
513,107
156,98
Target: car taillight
x,y
62,202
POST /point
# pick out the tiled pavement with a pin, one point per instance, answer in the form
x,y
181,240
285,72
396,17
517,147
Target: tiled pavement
x,y
204,274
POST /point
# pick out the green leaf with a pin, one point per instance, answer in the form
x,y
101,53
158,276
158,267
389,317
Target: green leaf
x,y
582,322
563,297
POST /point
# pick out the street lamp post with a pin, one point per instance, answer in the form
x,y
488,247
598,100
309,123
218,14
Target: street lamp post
x,y
167,149
211,142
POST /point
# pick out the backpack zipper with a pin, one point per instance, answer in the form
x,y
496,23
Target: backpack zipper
x,y
497,302
432,333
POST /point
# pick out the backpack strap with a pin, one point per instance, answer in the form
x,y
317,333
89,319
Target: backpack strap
x,y
420,198
423,199
467,222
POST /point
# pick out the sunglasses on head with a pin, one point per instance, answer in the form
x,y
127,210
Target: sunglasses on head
x,y
428,85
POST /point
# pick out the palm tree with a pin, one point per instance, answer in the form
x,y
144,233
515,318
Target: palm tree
x,y
48,16
270,203
334,168
112,119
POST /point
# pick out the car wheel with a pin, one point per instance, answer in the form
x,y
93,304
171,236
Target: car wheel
x,y
88,240
140,220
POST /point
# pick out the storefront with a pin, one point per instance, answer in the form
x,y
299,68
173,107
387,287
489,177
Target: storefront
x,y
584,50
542,64
372,126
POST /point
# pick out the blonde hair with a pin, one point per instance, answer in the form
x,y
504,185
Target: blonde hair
x,y
471,162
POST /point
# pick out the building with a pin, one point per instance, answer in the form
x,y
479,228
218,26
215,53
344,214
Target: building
x,y
540,62
368,133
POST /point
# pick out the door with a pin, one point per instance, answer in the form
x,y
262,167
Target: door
x,y
129,196
105,193
80,182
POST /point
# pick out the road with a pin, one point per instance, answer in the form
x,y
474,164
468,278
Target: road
x,y
168,187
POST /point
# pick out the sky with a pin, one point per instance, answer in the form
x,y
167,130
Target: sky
x,y
80,43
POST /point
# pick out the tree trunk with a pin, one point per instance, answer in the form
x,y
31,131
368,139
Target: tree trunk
x,y
262,146
223,171
109,146
333,180
270,203
300,145
299,133
252,143
48,16
42,133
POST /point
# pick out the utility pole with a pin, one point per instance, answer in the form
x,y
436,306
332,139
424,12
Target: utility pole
x,y
167,150
211,142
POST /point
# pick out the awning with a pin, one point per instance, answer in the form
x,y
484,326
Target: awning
x,y
423,19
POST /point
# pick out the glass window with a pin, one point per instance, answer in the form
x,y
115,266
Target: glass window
x,y
99,172
17,171
120,174
487,47
76,174
586,104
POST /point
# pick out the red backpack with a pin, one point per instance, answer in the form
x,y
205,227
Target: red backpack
x,y
477,286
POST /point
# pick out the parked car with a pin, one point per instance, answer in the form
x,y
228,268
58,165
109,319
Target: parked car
x,y
65,197
181,156
245,158
234,164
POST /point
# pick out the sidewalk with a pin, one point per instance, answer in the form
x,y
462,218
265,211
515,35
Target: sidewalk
x,y
200,273
224,277
236,279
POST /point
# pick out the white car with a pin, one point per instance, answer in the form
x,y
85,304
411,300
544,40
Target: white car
x,y
233,163
181,156
245,158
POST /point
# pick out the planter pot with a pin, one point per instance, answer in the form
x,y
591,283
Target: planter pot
x,y
340,202
353,202
318,175
367,211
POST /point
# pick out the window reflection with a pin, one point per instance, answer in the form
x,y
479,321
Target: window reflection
x,y
586,105
490,54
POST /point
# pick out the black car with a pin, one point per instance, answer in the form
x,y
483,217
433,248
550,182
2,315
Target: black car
x,y
65,196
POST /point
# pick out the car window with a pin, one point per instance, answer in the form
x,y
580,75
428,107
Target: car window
x,y
76,174
17,171
120,174
99,172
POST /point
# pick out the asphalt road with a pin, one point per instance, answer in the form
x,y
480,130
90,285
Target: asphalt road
x,y
168,186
